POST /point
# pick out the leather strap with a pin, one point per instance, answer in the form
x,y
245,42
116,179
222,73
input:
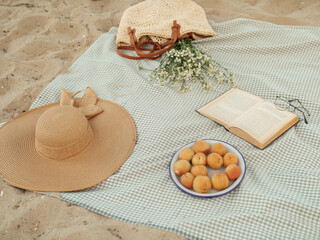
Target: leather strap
x,y
157,49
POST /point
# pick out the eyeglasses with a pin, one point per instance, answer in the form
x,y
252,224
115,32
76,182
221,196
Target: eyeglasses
x,y
293,105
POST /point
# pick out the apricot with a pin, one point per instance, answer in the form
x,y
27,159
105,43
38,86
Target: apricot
x,y
201,146
187,180
230,158
181,167
219,181
186,154
199,170
233,171
199,159
202,184
214,160
218,148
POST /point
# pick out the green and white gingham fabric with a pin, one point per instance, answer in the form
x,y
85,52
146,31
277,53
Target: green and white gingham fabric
x,y
279,197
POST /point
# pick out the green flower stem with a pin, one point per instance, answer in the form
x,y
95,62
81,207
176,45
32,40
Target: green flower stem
x,y
142,68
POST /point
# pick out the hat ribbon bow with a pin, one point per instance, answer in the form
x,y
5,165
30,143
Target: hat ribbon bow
x,y
86,104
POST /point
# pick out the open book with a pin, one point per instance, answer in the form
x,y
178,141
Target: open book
x,y
249,117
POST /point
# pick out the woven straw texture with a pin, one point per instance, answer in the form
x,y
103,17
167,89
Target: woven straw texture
x,y
153,20
87,163
279,196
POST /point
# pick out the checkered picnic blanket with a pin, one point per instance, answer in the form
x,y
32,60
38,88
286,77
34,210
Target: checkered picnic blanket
x,y
279,197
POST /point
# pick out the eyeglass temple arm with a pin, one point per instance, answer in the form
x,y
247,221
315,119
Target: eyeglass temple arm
x,y
304,116
300,105
289,102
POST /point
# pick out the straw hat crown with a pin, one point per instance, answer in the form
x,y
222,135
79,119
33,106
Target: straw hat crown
x,y
62,132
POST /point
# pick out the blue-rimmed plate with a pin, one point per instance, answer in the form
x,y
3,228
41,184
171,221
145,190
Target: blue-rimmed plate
x,y
212,192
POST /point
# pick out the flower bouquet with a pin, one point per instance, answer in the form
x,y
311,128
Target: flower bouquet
x,y
185,64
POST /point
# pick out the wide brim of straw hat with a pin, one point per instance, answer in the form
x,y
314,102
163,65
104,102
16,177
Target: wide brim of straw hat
x,y
22,166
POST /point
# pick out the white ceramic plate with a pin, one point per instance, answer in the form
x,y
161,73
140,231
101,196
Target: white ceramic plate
x,y
212,193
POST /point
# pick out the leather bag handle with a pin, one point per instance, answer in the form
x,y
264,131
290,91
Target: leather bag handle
x,y
157,49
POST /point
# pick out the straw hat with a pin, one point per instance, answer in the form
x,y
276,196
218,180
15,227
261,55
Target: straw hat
x,y
68,146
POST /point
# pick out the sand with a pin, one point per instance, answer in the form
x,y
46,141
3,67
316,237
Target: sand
x,y
39,40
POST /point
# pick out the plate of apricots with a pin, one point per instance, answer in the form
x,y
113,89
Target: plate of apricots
x,y
207,168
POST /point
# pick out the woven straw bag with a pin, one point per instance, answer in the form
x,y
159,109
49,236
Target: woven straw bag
x,y
160,23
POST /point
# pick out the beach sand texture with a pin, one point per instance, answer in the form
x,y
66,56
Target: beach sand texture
x,y
39,40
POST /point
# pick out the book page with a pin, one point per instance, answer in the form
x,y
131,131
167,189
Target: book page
x,y
264,121
230,106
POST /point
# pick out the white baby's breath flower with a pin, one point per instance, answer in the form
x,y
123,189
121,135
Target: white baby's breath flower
x,y
185,63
